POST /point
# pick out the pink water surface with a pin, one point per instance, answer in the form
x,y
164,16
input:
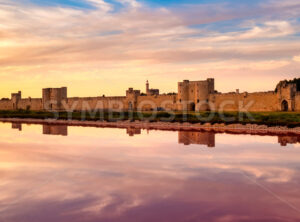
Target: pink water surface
x,y
62,174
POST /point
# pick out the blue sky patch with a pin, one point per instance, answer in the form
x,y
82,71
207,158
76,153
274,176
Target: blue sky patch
x,y
64,3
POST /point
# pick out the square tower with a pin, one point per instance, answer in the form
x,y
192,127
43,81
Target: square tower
x,y
53,98
15,98
194,95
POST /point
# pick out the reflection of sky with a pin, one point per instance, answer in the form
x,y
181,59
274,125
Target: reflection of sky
x,y
97,174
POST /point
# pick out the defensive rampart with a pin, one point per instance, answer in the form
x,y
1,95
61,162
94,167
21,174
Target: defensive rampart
x,y
191,96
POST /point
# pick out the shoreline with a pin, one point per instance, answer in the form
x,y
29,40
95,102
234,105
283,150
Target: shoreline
x,y
252,129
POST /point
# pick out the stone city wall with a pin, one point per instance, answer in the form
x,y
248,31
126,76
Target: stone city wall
x,y
261,101
165,102
95,103
6,105
191,96
30,104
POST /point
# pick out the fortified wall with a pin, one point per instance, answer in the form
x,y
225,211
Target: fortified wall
x,y
191,96
284,98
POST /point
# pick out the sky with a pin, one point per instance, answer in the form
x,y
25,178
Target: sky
x,y
97,47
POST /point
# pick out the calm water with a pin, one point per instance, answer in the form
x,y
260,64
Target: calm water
x,y
61,174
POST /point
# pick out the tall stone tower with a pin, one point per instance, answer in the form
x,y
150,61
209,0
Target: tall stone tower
x,y
286,92
147,87
15,98
53,98
194,95
131,98
151,92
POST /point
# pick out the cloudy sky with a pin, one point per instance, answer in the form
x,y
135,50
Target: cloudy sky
x,y
97,47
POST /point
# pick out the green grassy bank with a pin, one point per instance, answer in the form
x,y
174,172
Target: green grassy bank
x,y
290,119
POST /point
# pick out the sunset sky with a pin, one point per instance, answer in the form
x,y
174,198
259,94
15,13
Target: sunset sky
x,y
97,47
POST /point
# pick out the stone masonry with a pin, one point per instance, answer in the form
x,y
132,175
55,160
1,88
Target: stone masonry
x,y
191,96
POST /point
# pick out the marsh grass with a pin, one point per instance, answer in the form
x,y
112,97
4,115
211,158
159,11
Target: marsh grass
x,y
290,119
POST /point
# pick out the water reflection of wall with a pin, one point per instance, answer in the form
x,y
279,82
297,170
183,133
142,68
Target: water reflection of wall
x,y
184,137
55,130
131,131
17,126
201,138
285,140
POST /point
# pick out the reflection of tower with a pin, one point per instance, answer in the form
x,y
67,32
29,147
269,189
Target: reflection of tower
x,y
17,126
285,140
201,138
55,130
131,131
